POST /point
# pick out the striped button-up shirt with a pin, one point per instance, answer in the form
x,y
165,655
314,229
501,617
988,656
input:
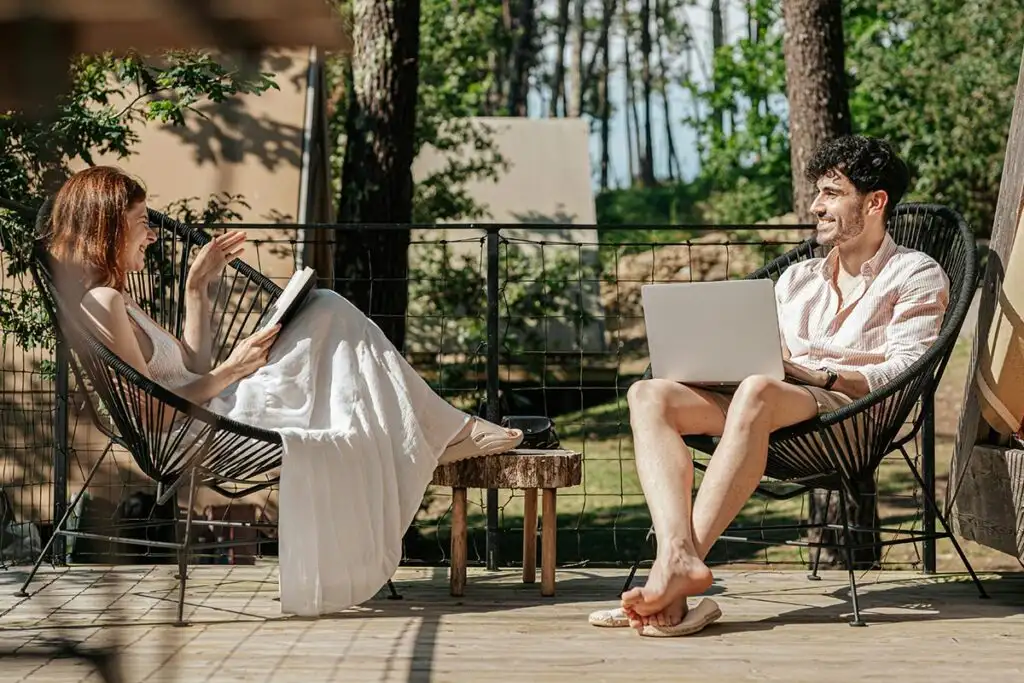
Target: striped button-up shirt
x,y
888,322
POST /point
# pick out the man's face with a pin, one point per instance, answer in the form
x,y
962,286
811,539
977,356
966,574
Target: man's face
x,y
839,208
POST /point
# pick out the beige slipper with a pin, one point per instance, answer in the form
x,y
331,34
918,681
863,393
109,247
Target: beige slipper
x,y
609,618
707,612
486,438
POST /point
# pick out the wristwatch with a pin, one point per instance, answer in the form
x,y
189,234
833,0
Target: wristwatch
x,y
832,377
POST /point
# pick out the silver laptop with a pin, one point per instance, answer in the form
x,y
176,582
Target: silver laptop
x,y
713,333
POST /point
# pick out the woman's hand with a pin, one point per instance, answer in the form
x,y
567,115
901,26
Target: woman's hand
x,y
251,354
212,258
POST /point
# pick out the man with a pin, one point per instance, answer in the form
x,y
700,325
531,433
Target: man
x,y
850,323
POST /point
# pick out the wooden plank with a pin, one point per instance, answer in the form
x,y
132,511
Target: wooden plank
x,y
971,504
774,623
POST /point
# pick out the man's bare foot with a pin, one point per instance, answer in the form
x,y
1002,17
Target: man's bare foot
x,y
669,584
670,616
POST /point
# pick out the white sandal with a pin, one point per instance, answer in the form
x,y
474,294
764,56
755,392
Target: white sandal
x,y
705,613
609,618
486,438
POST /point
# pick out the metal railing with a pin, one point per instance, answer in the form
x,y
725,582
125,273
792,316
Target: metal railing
x,y
502,319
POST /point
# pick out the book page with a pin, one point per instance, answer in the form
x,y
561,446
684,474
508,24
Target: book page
x,y
288,295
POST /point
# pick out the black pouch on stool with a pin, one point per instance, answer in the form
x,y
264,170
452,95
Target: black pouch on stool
x,y
538,431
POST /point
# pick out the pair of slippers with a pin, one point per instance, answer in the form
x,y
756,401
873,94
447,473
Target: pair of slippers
x,y
485,438
705,613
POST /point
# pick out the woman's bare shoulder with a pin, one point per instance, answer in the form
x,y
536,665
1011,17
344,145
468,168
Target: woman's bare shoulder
x,y
107,297
103,302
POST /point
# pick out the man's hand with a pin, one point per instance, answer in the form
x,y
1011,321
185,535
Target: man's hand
x,y
798,373
212,258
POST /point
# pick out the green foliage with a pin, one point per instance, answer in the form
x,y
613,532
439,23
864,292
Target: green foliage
x,y
937,79
106,97
740,118
219,208
741,125
539,291
934,77
457,46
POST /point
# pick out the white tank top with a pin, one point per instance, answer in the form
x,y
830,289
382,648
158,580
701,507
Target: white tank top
x,y
167,366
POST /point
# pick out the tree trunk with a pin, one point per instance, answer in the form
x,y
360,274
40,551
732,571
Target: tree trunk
x,y
819,111
575,107
717,41
815,85
501,60
674,168
604,104
632,133
523,59
377,182
647,153
558,77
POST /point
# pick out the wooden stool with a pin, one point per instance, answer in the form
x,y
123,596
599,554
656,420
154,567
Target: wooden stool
x,y
524,469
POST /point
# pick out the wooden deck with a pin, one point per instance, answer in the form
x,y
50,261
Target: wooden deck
x,y
776,626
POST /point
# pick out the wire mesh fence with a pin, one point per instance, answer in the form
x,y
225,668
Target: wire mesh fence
x,y
565,321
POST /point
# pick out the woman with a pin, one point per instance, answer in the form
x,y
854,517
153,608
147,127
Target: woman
x,y
362,432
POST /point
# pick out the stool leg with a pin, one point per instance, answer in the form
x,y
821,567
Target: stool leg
x,y
459,557
548,536
530,536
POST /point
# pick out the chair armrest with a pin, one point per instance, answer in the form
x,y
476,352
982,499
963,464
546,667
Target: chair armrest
x,y
167,397
191,234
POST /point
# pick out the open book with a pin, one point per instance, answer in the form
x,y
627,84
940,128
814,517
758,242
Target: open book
x,y
292,298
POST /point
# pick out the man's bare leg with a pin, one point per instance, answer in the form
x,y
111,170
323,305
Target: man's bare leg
x,y
660,411
760,406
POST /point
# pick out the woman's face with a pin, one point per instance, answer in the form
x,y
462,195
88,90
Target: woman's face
x,y
140,236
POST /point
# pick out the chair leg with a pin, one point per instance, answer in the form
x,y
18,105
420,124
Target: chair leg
x,y
636,563
813,576
23,591
183,553
632,573
848,548
942,520
394,591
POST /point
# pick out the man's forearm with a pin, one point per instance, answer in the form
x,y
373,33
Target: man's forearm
x,y
850,382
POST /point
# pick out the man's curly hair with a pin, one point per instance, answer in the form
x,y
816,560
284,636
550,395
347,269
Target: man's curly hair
x,y
869,163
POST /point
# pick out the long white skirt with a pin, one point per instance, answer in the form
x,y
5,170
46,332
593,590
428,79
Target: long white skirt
x,y
362,435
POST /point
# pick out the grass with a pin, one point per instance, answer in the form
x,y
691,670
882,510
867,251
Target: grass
x,y
605,520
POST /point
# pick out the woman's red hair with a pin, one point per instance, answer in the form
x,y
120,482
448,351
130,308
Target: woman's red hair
x,y
88,225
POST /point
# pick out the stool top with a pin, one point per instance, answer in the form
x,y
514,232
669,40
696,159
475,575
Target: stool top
x,y
521,468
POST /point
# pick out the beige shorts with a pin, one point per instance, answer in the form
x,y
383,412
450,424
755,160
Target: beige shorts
x,y
827,401
843,436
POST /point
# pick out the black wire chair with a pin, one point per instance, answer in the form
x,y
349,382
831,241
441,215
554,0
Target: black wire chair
x,y
834,451
175,442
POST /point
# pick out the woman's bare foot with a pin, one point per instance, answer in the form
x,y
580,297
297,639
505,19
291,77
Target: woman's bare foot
x,y
670,582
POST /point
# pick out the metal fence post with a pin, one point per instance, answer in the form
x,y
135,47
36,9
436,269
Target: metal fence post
x,y
493,409
928,475
60,448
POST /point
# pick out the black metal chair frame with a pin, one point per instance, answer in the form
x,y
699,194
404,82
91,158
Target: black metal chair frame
x,y
806,456
193,447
